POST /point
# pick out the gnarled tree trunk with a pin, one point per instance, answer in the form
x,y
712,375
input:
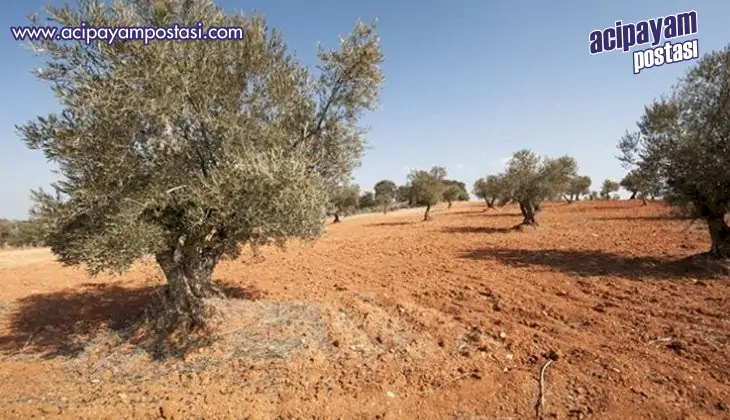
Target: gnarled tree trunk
x,y
189,274
426,215
720,236
528,213
633,195
450,204
337,218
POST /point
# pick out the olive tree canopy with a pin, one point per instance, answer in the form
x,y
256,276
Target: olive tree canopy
x,y
578,186
345,199
492,189
609,186
684,138
385,193
187,150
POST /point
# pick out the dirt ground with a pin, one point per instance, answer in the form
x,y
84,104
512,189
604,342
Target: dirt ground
x,y
389,317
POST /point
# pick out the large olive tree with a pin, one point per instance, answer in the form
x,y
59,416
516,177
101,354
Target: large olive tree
x,y
187,150
684,138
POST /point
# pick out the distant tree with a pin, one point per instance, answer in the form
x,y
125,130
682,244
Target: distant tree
x,y
684,138
608,187
367,200
578,186
187,150
593,195
21,233
455,191
427,187
630,183
450,194
492,189
6,230
641,183
531,179
385,193
404,195
344,200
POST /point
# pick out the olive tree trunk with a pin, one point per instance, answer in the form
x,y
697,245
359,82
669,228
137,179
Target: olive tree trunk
x,y
426,215
720,236
528,213
337,218
189,274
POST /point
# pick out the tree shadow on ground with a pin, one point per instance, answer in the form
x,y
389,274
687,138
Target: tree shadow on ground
x,y
60,324
383,224
478,229
597,263
659,217
492,213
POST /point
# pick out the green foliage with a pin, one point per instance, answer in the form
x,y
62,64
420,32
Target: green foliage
x,y
640,183
366,200
345,199
609,186
194,147
578,186
427,187
454,191
491,189
533,179
385,193
21,233
403,194
683,139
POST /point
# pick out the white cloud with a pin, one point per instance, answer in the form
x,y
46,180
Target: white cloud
x,y
459,166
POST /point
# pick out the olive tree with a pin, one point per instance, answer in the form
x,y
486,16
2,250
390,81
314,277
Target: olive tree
x,y
345,199
641,183
454,191
188,150
450,194
578,186
427,187
492,189
684,138
609,186
403,194
532,179
385,193
366,200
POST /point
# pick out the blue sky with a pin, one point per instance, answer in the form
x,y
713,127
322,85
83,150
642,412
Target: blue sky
x,y
468,82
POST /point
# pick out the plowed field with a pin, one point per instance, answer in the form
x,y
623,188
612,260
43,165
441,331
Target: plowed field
x,y
390,317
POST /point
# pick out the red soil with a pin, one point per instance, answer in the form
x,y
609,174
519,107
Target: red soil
x,y
390,317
